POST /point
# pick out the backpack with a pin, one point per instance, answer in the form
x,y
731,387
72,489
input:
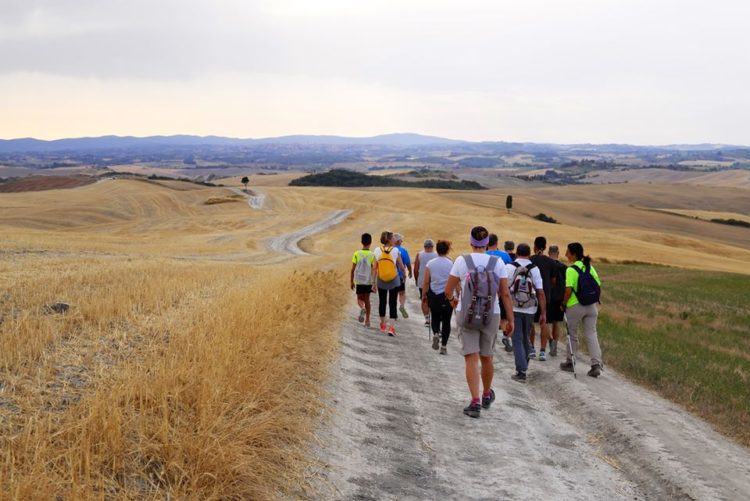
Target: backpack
x,y
363,269
522,291
386,265
588,290
479,298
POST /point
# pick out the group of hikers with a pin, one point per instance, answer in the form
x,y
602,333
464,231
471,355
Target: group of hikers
x,y
490,291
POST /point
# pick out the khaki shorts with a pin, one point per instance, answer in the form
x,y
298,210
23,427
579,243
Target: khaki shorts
x,y
481,340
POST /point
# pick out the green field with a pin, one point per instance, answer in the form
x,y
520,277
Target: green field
x,y
685,334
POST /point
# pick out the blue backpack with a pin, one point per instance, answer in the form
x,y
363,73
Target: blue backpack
x,y
588,290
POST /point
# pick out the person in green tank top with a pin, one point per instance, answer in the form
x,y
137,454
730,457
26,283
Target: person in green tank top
x,y
360,279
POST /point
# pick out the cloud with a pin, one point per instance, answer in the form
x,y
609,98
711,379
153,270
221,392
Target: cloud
x,y
556,61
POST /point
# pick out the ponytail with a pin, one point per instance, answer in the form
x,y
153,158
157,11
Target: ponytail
x,y
576,249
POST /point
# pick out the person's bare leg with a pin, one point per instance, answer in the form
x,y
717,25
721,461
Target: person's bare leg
x,y
556,331
488,371
368,307
472,374
402,298
532,334
545,336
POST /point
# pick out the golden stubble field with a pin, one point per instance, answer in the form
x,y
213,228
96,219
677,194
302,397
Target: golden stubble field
x,y
188,367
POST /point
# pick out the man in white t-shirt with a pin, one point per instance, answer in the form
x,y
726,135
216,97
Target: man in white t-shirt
x,y
478,344
525,306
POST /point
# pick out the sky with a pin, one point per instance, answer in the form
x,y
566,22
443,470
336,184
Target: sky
x,y
584,71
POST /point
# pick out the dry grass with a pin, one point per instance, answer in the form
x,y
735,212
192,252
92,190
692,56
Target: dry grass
x,y
172,374
199,407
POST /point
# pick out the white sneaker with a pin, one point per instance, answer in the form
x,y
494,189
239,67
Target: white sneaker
x,y
435,341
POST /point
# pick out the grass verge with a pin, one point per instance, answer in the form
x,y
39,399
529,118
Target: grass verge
x,y
222,407
685,334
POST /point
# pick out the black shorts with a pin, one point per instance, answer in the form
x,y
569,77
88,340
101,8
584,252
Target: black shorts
x,y
363,289
402,287
554,313
539,313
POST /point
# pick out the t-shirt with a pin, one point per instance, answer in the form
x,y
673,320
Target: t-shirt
x,y
404,258
536,279
571,280
363,254
461,271
394,255
546,266
440,268
424,258
501,254
558,291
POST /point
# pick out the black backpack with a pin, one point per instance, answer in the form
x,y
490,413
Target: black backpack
x,y
588,290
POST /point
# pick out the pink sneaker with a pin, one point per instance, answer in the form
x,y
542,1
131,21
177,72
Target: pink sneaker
x,y
392,331
382,326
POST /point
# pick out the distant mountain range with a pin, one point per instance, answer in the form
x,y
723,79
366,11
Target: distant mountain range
x,y
31,145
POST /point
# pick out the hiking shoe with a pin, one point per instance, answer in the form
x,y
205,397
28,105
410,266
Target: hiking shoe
x,y
427,322
507,343
392,331
532,353
367,325
403,312
473,410
487,401
382,327
595,371
542,356
443,350
519,376
435,341
361,315
553,348
567,366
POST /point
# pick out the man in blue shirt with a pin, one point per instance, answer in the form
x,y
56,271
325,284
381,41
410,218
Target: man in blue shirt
x,y
402,273
492,250
505,257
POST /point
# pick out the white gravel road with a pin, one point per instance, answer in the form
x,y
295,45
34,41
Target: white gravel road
x,y
398,431
255,201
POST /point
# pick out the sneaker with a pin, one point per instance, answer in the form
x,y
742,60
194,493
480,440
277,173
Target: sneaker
x,y
487,401
473,410
542,356
435,341
595,371
367,324
443,350
567,366
392,331
382,326
507,343
403,312
427,322
519,376
532,353
361,315
553,348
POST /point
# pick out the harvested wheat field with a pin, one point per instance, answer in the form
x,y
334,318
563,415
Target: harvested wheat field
x,y
157,344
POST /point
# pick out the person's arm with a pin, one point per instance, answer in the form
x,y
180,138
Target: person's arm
x,y
507,306
566,298
542,307
408,267
425,285
416,270
453,290
351,276
400,264
374,274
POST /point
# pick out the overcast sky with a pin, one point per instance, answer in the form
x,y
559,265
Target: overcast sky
x,y
637,71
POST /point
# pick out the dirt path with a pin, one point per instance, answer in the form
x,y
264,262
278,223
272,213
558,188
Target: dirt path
x,y
289,242
255,201
398,432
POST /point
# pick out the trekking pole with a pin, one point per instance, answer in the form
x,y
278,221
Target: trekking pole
x,y
570,345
